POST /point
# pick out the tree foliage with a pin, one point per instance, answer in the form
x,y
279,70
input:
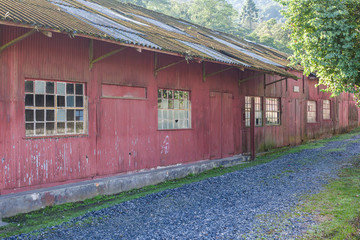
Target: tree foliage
x,y
249,15
325,38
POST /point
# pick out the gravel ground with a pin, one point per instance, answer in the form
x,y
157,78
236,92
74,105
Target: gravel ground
x,y
252,203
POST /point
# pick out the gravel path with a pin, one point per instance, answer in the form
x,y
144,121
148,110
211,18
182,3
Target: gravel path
x,y
253,203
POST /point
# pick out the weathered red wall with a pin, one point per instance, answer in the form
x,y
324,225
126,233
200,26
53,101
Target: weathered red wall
x,y
122,133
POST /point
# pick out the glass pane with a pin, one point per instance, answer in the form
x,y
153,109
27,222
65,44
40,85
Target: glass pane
x,y
159,103
79,101
39,130
70,88
60,101
61,127
50,115
160,124
50,128
164,104
70,115
164,94
29,86
50,100
40,115
79,127
186,95
159,93
171,104
29,115
170,94
176,104
79,115
181,94
70,101
79,89
29,127
61,115
50,88
70,127
29,100
39,87
39,100
60,88
171,124
176,94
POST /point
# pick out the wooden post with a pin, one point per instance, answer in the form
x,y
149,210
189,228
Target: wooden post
x,y
252,129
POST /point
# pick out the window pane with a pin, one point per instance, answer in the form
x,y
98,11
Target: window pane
x,y
39,130
29,127
70,88
70,115
60,101
29,115
40,115
50,87
61,127
61,115
79,115
79,101
50,100
79,89
39,100
29,86
50,115
79,127
60,88
39,87
29,100
50,128
70,101
70,127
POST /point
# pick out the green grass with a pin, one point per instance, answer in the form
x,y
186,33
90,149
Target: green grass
x,y
337,208
50,216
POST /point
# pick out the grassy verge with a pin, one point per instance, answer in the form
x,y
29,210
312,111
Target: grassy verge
x,y
50,216
337,208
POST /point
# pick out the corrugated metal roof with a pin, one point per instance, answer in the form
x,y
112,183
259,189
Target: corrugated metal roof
x,y
130,24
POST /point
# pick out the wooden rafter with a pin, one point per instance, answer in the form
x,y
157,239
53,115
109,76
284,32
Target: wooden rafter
x,y
267,84
91,54
214,73
158,69
250,78
22,37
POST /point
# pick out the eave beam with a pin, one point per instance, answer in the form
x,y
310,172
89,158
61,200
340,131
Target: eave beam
x,y
22,37
214,73
267,84
158,69
250,78
109,54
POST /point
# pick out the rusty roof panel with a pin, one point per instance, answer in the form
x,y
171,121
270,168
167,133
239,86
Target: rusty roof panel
x,y
130,24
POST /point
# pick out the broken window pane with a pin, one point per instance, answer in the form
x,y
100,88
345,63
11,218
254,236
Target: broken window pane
x,y
29,100
39,100
39,87
79,89
50,101
29,115
70,88
50,87
29,86
79,115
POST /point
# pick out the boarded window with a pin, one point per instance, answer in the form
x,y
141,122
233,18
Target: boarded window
x,y
174,109
326,109
54,108
258,111
311,111
272,111
126,92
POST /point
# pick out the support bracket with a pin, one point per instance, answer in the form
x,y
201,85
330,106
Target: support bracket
x,y
250,78
267,84
158,69
18,39
109,54
214,73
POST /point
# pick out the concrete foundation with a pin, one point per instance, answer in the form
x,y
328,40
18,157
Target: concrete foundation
x,y
13,204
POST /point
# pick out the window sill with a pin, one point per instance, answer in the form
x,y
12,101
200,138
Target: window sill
x,y
178,129
55,136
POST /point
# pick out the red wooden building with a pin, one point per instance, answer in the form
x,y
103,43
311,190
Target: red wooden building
x,y
95,88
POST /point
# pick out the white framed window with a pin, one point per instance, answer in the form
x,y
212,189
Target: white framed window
x,y
272,111
326,109
258,111
174,109
311,111
54,108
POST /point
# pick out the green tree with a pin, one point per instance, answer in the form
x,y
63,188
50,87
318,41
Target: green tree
x,y
249,15
214,14
325,38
